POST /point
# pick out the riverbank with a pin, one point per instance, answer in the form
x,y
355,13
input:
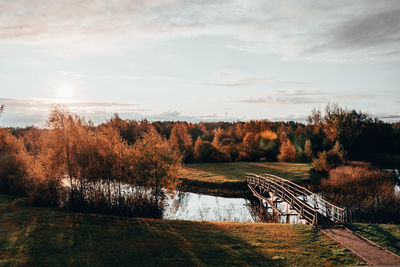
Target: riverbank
x,y
228,179
42,236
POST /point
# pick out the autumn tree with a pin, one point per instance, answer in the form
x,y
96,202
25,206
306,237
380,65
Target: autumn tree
x,y
344,125
204,151
156,164
181,140
251,145
14,164
287,151
308,149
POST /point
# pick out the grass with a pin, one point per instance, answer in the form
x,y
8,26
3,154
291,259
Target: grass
x,y
35,236
386,235
228,178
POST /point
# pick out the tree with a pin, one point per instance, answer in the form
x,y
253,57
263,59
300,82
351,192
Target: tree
x,y
251,145
156,163
344,125
308,149
287,151
204,151
2,108
181,140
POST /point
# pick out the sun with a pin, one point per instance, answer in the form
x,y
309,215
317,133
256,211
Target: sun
x,y
65,91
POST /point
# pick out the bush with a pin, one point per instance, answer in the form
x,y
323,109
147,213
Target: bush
x,y
301,157
329,160
204,151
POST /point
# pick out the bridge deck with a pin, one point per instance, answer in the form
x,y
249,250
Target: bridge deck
x,y
307,205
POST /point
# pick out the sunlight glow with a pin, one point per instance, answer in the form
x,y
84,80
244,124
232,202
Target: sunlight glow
x,y
65,91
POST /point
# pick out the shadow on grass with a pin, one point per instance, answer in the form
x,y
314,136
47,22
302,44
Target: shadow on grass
x,y
41,236
226,189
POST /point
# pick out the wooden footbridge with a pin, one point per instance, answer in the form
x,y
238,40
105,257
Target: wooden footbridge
x,y
307,205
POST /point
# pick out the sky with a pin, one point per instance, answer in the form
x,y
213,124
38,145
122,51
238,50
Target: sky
x,y
198,60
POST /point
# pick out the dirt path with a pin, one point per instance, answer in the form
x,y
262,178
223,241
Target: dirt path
x,y
372,253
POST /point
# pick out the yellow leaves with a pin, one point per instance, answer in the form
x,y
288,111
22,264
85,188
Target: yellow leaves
x,y
269,135
287,151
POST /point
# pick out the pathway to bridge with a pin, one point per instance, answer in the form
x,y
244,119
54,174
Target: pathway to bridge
x,y
370,252
317,211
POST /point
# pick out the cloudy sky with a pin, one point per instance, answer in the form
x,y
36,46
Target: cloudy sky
x,y
198,60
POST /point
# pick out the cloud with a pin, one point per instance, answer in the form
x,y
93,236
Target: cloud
x,y
170,114
388,117
300,97
309,28
231,79
298,118
22,112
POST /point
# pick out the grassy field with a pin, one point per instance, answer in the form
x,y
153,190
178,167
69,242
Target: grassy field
x,y
228,178
35,236
386,235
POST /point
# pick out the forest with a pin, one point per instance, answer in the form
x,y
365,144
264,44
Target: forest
x,y
127,167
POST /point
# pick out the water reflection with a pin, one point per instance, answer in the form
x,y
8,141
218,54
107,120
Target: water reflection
x,y
199,207
263,212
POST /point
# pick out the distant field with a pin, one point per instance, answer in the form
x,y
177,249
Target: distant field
x,y
218,176
41,236
386,235
235,171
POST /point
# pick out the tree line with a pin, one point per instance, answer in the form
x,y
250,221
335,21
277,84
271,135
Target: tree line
x,y
330,136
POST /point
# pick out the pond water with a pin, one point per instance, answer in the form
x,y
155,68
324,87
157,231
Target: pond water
x,y
200,207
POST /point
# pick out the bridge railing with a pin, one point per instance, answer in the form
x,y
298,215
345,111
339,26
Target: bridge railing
x,y
299,195
306,212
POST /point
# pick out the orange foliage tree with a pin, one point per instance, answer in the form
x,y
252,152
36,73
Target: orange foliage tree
x,y
181,140
287,151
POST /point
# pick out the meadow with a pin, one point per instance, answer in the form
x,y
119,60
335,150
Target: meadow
x,y
44,236
228,178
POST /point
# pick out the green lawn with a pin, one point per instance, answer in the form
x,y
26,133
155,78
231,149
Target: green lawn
x,y
225,178
386,235
35,236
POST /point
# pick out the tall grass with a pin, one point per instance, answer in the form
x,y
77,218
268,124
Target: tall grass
x,y
367,194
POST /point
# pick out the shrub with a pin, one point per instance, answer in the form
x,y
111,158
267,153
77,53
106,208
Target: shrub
x,y
367,194
301,156
243,156
329,160
321,163
204,151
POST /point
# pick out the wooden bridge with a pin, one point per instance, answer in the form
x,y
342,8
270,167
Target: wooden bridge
x,y
309,206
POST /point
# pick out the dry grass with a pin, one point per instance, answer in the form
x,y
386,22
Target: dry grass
x,y
367,194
